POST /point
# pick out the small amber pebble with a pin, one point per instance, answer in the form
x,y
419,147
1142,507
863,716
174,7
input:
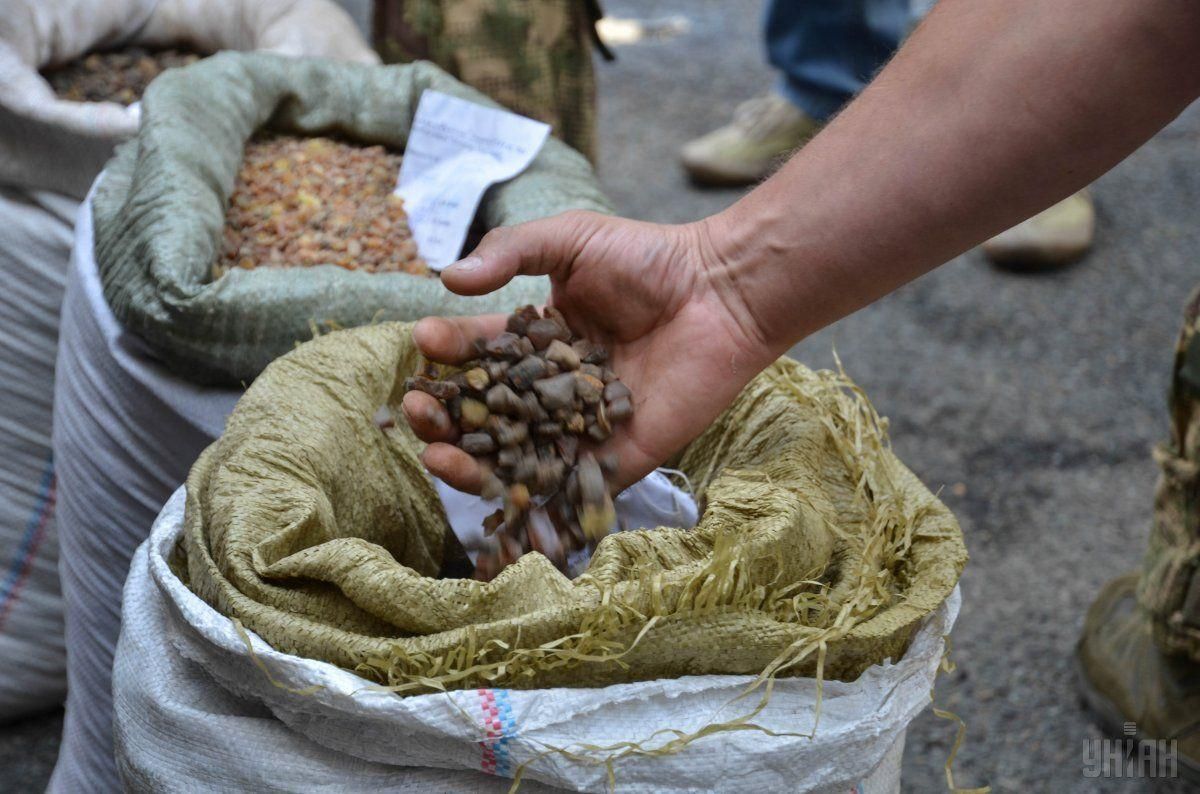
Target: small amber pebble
x,y
302,202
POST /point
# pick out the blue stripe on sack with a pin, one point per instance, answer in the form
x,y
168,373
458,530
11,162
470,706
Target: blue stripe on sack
x,y
508,728
29,540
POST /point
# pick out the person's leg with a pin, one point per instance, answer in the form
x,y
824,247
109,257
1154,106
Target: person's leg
x,y
1169,588
825,51
1140,651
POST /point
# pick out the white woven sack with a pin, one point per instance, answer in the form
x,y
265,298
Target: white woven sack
x,y
58,145
50,152
195,708
126,431
35,244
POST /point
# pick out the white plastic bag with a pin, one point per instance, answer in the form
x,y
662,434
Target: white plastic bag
x,y
35,242
126,431
654,501
58,145
50,152
193,706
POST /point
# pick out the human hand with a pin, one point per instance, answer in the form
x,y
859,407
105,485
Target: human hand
x,y
659,297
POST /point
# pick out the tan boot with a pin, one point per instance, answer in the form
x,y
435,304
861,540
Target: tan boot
x,y
1054,237
763,131
1146,699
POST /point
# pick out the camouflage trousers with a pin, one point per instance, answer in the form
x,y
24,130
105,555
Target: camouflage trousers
x,y
532,56
1169,585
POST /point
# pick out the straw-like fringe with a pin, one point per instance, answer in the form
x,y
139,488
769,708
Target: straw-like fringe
x,y
947,666
828,464
859,435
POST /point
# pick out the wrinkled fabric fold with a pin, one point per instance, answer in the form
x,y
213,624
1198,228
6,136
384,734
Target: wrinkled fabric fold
x,y
322,533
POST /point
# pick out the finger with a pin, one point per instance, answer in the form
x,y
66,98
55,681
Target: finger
x,y
427,417
451,340
455,467
545,247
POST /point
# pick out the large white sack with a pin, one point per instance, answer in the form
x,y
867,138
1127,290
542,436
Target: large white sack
x,y
50,152
126,432
175,729
35,244
58,145
188,695
55,145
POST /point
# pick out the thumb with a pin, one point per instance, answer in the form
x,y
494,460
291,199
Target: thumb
x,y
545,247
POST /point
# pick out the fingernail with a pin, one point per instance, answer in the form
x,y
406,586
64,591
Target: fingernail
x,y
468,265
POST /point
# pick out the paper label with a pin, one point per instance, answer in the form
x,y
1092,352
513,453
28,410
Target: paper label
x,y
455,152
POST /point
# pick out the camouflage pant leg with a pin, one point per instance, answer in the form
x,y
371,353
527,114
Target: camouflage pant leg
x,y
1169,586
532,57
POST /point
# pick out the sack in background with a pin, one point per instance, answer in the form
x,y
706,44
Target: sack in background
x,y
192,703
53,144
161,208
124,428
50,153
533,58
35,243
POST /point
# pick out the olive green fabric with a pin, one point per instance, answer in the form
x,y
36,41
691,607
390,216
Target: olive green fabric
x,y
322,533
1127,679
532,57
1169,587
160,208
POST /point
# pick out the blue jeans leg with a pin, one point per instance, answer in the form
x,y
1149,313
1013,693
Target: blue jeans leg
x,y
827,50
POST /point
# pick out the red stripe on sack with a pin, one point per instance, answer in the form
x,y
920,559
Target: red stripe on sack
x,y
23,566
487,704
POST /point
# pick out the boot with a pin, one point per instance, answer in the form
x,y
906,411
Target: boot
x,y
1136,691
1139,657
1054,237
763,132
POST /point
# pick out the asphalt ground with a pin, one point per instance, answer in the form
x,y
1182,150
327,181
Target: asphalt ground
x,y
1031,402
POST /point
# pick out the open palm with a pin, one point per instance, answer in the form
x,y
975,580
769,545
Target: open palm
x,y
650,293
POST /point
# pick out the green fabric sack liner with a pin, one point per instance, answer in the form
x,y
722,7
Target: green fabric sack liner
x,y
817,551
160,208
